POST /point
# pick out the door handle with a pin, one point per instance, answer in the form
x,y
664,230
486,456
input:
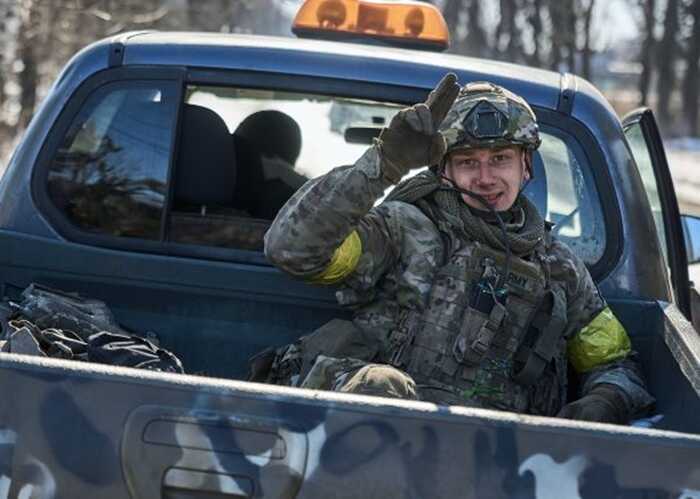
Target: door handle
x,y
181,453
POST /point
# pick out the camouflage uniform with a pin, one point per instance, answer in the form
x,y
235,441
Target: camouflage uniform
x,y
409,275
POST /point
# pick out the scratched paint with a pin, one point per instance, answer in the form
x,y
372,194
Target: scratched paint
x,y
555,480
316,438
8,438
43,485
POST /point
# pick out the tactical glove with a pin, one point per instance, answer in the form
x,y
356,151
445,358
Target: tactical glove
x,y
412,138
604,404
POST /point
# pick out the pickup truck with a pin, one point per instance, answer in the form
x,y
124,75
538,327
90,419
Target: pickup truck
x,y
147,179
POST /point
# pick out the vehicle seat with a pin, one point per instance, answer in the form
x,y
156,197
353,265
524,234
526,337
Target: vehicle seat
x,y
205,185
267,146
205,172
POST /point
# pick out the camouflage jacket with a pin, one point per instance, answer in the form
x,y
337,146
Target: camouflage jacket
x,y
385,259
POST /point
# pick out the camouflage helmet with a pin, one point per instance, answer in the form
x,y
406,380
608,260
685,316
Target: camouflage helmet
x,y
488,115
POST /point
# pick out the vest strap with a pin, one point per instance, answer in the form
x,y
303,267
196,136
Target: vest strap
x,y
550,320
402,337
482,342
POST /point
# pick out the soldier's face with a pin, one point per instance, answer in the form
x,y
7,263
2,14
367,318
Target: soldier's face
x,y
495,174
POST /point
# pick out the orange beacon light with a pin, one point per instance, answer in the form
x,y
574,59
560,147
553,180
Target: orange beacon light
x,y
405,23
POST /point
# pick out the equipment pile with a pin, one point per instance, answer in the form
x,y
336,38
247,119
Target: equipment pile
x,y
52,323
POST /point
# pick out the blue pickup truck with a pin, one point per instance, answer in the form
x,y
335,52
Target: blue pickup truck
x,y
147,180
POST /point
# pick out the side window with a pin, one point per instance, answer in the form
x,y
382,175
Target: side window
x,y
109,175
571,201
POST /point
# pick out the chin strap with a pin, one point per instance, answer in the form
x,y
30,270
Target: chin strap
x,y
500,284
528,168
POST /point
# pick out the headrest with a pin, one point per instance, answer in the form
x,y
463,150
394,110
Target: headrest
x,y
272,132
206,170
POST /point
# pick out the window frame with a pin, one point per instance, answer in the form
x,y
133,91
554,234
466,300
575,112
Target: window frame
x,y
576,135
579,154
39,182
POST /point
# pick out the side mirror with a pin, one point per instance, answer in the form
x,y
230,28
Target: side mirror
x,y
691,235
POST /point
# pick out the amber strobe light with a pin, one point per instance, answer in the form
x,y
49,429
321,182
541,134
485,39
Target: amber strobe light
x,y
405,23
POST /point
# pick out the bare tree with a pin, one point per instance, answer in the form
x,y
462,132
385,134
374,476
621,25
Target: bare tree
x,y
246,16
558,34
557,16
586,7
477,40
691,79
646,56
569,32
508,38
666,57
28,76
451,11
6,15
535,9
8,32
212,15
504,21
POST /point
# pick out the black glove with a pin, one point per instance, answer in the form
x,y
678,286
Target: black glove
x,y
412,138
604,404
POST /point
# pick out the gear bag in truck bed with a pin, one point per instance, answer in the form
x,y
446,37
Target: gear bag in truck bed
x,y
53,323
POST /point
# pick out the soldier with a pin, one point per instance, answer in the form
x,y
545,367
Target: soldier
x,y
456,283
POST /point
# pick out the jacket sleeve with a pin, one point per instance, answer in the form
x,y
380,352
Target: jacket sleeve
x,y
327,230
599,348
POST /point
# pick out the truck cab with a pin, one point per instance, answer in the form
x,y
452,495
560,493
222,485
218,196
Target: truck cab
x,y
147,179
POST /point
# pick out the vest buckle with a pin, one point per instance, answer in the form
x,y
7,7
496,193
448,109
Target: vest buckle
x,y
484,337
401,337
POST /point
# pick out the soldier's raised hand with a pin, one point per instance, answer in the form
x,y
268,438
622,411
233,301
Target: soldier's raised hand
x,y
412,139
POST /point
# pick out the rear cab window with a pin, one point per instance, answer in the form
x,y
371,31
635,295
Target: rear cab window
x,y
240,153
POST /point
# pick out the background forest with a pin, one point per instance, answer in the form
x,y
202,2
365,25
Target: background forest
x,y
639,52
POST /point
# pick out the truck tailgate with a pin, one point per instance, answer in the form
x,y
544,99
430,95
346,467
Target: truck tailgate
x,y
81,430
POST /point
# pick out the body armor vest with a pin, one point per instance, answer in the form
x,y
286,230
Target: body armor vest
x,y
479,346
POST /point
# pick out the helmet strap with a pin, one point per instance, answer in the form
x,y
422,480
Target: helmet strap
x,y
528,168
441,166
527,159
